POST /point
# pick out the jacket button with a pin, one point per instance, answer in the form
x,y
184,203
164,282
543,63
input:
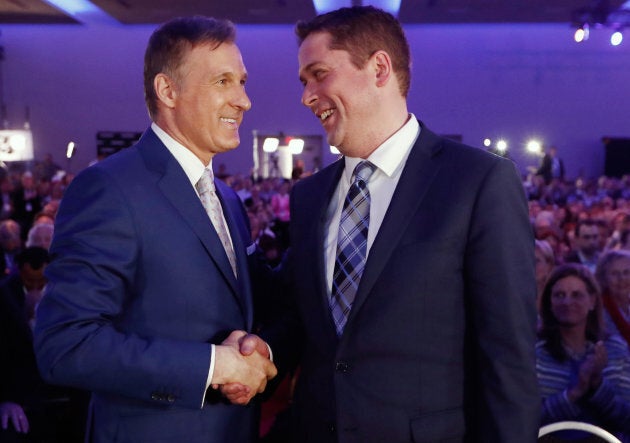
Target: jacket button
x,y
342,366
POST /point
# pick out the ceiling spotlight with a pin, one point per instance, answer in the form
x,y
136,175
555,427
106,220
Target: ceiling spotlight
x,y
581,33
616,38
501,146
487,142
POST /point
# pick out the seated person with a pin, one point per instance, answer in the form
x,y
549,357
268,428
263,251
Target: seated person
x,y
31,410
583,375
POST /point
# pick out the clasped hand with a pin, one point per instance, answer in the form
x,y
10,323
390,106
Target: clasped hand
x,y
242,367
590,372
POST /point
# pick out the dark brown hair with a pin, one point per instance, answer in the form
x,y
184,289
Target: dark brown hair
x,y
550,327
362,31
171,42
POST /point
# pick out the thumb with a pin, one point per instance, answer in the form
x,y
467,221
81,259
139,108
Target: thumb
x,y
252,343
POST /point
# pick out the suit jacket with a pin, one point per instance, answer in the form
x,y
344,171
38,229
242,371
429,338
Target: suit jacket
x,y
139,286
439,345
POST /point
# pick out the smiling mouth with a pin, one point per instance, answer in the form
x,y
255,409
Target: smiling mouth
x,y
324,115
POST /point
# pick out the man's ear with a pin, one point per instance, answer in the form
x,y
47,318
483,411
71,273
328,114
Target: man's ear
x,y
165,89
382,64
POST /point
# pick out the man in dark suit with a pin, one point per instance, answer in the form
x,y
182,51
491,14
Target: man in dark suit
x,y
438,342
31,410
144,283
551,166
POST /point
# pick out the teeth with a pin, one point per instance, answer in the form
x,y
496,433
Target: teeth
x,y
324,115
228,120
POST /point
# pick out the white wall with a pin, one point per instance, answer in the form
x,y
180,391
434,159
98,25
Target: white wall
x,y
514,81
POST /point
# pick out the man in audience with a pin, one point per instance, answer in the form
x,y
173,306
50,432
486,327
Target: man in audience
x,y
10,245
151,266
587,244
411,266
31,410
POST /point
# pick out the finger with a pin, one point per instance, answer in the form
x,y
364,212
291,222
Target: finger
x,y
5,421
251,343
235,389
26,425
16,423
242,400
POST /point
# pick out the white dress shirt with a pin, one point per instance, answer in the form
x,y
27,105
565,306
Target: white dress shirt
x,y
389,159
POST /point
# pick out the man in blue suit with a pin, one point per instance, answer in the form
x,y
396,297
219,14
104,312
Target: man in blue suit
x,y
147,296
417,325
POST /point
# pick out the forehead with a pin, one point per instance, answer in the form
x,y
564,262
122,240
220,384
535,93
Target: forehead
x,y
588,230
620,263
316,49
570,283
225,57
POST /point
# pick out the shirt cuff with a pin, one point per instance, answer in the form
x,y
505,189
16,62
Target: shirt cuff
x,y
210,373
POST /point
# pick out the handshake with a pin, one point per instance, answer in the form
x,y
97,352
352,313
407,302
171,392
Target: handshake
x,y
242,367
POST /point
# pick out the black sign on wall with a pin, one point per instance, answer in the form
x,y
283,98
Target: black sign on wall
x,y
617,161
110,142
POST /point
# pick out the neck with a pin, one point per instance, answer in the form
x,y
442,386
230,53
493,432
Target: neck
x,y
574,338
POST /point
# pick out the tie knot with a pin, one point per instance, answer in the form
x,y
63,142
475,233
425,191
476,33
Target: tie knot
x,y
363,171
206,182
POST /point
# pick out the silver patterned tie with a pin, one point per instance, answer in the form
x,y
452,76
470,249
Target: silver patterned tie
x,y
351,245
212,205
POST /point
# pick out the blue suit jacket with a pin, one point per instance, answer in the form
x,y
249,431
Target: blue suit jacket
x,y
439,345
139,286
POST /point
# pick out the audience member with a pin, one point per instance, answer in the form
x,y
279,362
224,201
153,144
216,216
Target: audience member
x,y
583,374
6,197
586,248
552,166
10,245
26,202
31,410
41,235
613,275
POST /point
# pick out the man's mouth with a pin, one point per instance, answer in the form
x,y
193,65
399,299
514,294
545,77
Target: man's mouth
x,y
324,115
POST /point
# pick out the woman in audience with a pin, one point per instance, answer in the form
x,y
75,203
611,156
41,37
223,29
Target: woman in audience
x,y
583,375
613,275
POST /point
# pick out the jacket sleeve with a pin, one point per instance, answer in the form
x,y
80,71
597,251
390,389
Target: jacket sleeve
x,y
82,338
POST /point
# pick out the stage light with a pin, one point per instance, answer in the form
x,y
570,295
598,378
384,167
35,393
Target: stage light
x,y
271,144
70,150
502,146
487,142
296,145
534,147
334,150
616,38
581,33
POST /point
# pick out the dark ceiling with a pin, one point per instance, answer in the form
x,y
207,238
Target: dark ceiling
x,y
289,11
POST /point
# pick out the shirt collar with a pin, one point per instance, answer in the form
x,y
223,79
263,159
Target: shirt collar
x,y
390,156
190,163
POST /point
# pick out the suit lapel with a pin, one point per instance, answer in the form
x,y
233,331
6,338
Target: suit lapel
x,y
177,189
419,171
240,235
314,203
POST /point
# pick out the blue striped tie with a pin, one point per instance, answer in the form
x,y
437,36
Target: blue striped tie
x,y
351,245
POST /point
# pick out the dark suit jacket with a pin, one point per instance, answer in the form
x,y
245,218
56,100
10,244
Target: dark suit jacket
x,y
139,286
546,168
440,341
